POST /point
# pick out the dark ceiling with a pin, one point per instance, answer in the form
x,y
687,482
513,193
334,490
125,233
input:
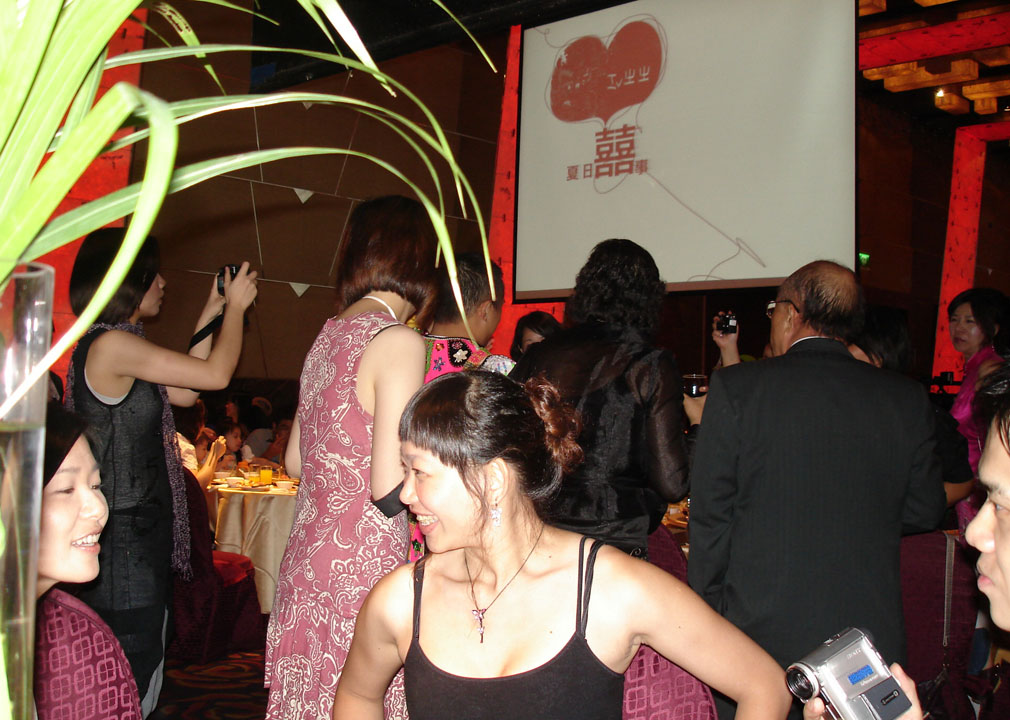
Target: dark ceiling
x,y
396,27
392,27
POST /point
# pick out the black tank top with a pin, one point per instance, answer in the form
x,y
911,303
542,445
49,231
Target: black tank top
x,y
572,684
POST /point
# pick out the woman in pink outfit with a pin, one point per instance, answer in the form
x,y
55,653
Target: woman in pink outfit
x,y
350,529
975,317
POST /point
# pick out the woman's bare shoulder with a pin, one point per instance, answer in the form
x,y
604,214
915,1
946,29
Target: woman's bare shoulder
x,y
393,597
393,347
627,580
398,336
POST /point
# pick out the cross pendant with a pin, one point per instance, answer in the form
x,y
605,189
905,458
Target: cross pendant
x,y
479,614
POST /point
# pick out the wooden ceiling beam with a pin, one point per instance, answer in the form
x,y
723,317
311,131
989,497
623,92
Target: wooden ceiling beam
x,y
987,89
892,29
984,106
952,103
994,57
960,71
890,71
869,7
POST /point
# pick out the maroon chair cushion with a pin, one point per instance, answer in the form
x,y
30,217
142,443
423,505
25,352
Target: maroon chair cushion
x,y
654,687
665,552
218,611
232,567
81,672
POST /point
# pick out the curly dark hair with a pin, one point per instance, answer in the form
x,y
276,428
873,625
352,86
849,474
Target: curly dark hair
x,y
618,285
468,419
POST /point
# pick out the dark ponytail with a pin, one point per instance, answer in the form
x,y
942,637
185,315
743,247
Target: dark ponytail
x,y
561,423
467,419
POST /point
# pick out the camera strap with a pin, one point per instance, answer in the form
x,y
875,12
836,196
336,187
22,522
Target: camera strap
x,y
948,591
206,330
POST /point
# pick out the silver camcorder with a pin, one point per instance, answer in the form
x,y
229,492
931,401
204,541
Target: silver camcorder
x,y
849,675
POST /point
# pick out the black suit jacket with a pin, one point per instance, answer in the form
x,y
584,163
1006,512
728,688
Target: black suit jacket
x,y
809,467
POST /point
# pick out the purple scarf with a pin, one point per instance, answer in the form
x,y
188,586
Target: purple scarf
x,y
173,460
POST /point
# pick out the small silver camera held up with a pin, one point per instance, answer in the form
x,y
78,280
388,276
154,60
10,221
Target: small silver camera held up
x,y
849,675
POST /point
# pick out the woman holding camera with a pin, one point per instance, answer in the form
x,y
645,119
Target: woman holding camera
x,y
123,386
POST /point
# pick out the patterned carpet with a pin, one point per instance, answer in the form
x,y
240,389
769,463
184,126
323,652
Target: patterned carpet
x,y
231,688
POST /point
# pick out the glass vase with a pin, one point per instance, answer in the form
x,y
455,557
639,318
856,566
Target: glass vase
x,y
26,311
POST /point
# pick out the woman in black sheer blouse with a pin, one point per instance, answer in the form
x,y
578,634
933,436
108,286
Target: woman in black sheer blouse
x,y
629,396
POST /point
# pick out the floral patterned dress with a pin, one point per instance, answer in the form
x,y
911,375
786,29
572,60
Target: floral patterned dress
x,y
340,544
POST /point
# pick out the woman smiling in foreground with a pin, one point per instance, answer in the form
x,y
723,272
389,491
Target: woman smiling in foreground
x,y
80,669
508,617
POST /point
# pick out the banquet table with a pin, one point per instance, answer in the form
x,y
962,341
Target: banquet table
x,y
256,524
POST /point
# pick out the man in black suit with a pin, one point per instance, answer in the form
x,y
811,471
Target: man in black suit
x,y
809,467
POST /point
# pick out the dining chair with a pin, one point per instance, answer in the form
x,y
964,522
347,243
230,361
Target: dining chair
x,y
81,671
923,582
654,687
217,612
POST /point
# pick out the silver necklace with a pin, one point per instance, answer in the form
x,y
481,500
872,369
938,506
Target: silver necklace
x,y
381,302
478,611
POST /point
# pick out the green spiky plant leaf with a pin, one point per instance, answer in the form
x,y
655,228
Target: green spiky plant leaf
x,y
52,56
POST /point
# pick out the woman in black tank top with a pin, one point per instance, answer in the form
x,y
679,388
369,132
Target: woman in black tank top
x,y
509,617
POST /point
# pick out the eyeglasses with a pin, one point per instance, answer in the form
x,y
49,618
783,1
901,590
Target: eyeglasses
x,y
770,307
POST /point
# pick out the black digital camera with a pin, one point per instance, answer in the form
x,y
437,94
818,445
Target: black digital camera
x,y
232,270
726,323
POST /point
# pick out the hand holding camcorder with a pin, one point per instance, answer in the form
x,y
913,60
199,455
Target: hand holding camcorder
x,y
850,676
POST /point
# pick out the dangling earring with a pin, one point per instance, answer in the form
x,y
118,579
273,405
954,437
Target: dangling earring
x,y
496,516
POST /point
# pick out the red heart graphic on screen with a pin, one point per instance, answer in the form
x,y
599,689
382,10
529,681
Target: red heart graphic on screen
x,y
593,80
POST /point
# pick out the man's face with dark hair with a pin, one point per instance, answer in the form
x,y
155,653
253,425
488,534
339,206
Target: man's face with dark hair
x,y
989,532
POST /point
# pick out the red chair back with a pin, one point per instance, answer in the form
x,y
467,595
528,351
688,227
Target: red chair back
x,y
653,686
81,671
218,611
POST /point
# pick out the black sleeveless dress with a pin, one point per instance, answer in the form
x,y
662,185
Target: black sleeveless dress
x,y
133,586
573,684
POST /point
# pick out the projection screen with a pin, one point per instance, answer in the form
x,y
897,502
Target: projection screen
x,y
719,134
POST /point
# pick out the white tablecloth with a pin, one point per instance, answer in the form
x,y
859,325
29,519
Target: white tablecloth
x,y
257,525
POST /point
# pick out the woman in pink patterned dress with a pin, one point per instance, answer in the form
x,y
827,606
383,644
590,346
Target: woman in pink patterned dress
x,y
350,528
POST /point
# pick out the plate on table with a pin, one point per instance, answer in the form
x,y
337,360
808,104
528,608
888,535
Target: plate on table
x,y
256,488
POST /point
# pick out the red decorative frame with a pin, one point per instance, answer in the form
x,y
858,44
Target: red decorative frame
x,y
503,206
107,173
961,247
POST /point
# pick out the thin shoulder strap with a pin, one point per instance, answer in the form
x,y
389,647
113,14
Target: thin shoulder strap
x,y
578,594
418,584
582,609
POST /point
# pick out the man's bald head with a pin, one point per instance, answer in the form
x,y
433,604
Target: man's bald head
x,y
829,299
